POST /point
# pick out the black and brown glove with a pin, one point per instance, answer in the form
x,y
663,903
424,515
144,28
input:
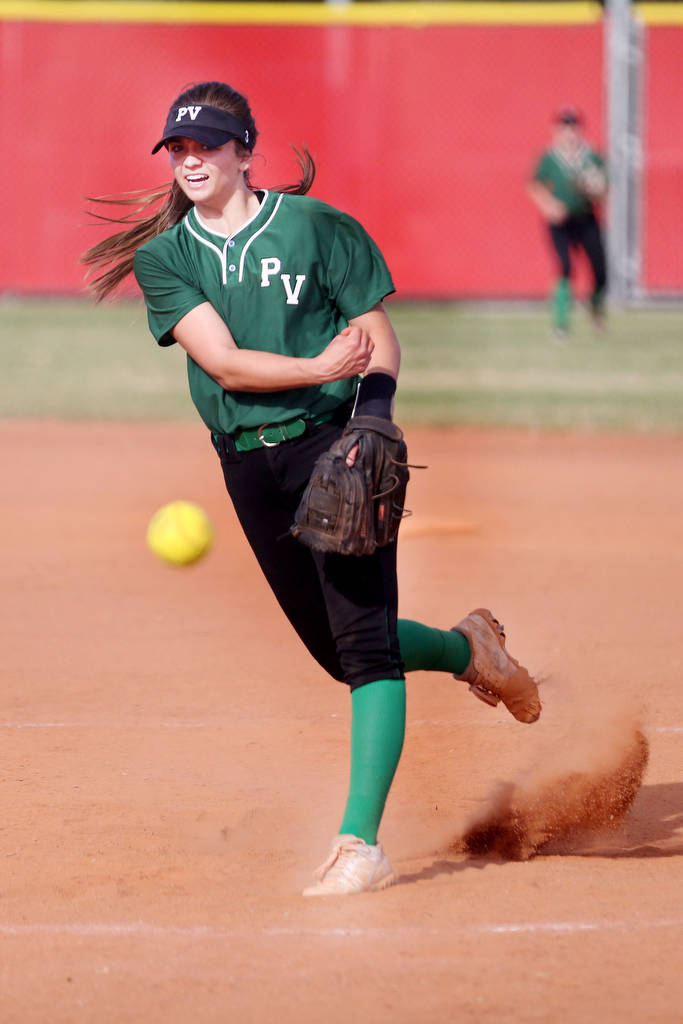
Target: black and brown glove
x,y
354,509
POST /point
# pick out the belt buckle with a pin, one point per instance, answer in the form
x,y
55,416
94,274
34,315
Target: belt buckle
x,y
268,444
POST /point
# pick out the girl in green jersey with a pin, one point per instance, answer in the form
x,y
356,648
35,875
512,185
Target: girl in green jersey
x,y
277,299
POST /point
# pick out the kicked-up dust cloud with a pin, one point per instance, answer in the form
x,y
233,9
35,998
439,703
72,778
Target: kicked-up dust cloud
x,y
587,770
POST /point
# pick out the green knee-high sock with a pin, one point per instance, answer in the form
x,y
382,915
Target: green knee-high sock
x,y
598,300
562,301
377,729
435,650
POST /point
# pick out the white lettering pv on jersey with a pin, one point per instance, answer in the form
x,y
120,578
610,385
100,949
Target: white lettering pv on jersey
x,y
183,111
292,296
269,267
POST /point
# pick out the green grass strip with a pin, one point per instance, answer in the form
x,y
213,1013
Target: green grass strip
x,y
491,365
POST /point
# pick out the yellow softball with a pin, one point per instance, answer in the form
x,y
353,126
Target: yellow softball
x,y
180,533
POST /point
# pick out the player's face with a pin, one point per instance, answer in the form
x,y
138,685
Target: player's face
x,y
568,134
207,176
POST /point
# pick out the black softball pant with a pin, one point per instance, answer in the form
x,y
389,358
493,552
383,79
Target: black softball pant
x,y
343,608
581,230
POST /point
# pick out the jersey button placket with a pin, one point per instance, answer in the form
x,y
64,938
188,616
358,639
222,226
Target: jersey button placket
x,y
231,267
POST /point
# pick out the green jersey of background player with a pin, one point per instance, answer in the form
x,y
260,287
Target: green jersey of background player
x,y
568,183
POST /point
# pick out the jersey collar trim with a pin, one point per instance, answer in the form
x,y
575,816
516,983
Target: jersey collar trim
x,y
219,234
257,233
221,251
580,159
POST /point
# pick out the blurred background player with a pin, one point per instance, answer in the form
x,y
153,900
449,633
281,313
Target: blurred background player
x,y
568,184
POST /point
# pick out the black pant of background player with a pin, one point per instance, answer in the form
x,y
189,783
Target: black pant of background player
x,y
582,231
343,608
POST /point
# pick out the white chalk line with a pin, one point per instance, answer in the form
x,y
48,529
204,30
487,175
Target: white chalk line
x,y
418,723
146,930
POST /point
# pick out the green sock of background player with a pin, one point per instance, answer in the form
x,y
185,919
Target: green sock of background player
x,y
378,723
597,301
562,301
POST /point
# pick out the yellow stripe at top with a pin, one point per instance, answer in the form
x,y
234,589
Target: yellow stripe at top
x,y
479,12
484,12
659,14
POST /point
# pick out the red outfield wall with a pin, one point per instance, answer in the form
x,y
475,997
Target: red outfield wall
x,y
663,164
427,135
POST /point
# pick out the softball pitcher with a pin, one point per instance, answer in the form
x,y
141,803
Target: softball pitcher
x,y
277,299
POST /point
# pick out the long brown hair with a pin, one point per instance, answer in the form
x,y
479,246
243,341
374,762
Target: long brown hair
x,y
113,256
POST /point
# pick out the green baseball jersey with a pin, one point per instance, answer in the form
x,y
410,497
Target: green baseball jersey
x,y
287,282
562,176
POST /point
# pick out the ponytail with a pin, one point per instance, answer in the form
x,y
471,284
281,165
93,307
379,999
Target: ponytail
x,y
114,255
307,166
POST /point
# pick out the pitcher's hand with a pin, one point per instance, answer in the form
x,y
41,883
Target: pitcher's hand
x,y
347,355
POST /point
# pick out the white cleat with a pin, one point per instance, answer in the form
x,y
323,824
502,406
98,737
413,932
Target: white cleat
x,y
352,866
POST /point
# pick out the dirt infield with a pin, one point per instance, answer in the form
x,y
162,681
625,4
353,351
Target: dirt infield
x,y
174,764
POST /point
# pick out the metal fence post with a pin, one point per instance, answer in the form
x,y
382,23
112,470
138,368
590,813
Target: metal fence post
x,y
623,64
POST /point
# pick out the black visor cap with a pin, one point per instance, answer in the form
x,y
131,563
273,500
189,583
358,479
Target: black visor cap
x,y
207,136
568,115
209,125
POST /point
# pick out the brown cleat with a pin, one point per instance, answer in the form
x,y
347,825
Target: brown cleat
x,y
492,673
